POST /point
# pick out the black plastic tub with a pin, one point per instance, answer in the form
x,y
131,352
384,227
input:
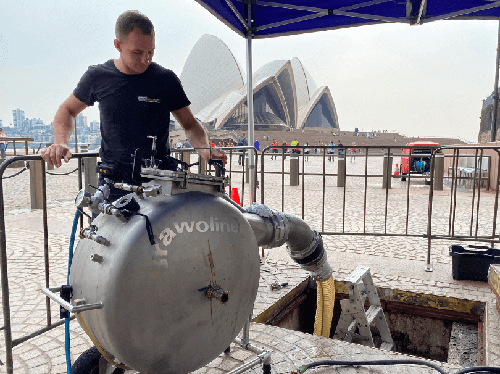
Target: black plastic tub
x,y
473,264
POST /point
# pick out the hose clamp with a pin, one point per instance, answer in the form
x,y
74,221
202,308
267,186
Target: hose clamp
x,y
297,255
279,221
281,228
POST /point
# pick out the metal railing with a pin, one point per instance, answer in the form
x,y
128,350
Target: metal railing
x,y
475,177
369,154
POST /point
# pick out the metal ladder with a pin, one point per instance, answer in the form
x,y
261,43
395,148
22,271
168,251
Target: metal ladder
x,y
354,317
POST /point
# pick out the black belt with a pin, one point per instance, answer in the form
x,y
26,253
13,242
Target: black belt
x,y
114,173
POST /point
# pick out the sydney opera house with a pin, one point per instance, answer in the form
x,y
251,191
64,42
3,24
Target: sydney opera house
x,y
285,95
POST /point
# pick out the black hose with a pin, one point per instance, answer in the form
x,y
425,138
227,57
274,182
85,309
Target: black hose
x,y
15,175
479,369
474,369
376,362
69,172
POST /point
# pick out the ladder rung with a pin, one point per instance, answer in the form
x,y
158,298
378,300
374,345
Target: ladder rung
x,y
354,314
372,313
358,274
352,326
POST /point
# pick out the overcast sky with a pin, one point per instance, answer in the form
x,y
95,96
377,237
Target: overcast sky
x,y
417,80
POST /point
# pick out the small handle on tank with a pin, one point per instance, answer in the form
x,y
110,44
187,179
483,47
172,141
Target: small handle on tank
x,y
51,293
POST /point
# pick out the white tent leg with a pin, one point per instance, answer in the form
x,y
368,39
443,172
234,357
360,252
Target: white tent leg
x,y
251,137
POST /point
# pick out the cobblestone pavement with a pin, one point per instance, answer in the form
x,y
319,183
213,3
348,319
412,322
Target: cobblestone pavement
x,y
395,262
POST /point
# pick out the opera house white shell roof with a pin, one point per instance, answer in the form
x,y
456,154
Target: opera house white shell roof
x,y
285,95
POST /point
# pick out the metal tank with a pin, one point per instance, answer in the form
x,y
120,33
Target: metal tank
x,y
165,278
176,272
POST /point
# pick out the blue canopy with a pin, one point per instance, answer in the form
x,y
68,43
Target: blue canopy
x,y
258,19
288,17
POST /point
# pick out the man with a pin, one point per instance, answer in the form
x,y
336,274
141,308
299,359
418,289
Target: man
x,y
136,97
285,149
2,145
331,151
275,148
242,142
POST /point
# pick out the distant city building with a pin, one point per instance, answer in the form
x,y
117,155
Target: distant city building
x,y
284,93
36,125
1,123
25,125
81,122
18,115
94,126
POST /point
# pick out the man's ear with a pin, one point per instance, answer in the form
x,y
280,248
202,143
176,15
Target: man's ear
x,y
117,45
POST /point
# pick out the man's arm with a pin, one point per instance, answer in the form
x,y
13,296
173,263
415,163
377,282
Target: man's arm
x,y
196,135
64,124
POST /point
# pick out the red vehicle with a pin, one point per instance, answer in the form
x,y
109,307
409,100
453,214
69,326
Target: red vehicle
x,y
420,159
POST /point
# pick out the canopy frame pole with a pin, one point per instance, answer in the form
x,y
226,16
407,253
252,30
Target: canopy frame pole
x,y
237,14
320,12
462,12
251,155
294,20
495,92
315,9
421,11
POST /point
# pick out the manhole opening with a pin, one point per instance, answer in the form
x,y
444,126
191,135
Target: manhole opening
x,y
422,331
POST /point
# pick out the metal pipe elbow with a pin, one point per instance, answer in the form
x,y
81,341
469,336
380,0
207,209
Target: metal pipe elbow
x,y
304,245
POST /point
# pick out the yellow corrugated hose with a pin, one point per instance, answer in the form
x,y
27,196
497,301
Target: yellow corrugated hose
x,y
324,307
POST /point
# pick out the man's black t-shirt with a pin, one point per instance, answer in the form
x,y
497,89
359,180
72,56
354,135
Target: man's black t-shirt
x,y
132,107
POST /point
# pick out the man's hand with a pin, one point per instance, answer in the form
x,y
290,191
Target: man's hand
x,y
55,153
213,153
197,136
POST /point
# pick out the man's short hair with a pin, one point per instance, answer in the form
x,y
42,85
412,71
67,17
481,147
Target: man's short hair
x,y
131,19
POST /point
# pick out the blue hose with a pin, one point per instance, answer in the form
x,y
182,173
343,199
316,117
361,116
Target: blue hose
x,y
66,320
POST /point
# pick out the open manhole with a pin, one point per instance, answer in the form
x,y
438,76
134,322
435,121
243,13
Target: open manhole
x,y
428,326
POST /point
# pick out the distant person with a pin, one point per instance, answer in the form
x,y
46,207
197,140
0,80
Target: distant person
x,y
331,151
186,144
353,152
242,142
256,145
285,150
275,149
178,145
341,150
294,144
320,143
306,151
2,145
